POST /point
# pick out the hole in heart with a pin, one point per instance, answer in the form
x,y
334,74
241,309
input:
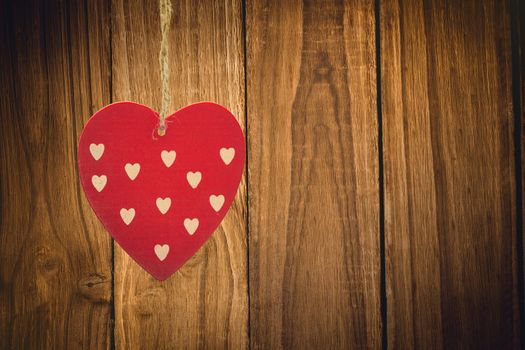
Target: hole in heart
x,y
161,130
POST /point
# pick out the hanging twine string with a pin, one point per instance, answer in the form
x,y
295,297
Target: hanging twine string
x,y
165,20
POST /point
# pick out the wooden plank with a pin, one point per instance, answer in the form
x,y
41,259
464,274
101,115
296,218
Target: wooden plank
x,y
313,175
450,215
55,275
205,303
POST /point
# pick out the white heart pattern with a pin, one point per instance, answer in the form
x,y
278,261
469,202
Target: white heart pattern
x,y
99,182
194,178
162,251
132,170
163,204
127,215
216,202
96,150
168,157
227,155
191,225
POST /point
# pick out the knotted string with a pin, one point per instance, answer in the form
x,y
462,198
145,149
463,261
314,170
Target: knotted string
x,y
165,20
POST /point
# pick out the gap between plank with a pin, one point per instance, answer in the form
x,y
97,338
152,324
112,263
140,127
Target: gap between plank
x,y
382,283
113,311
517,110
244,29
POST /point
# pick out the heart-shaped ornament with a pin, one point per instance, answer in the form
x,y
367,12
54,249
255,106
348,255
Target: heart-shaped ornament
x,y
161,197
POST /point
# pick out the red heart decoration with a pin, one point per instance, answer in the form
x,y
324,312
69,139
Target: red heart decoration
x,y
161,197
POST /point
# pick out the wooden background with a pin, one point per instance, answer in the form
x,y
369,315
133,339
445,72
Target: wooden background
x,y
382,201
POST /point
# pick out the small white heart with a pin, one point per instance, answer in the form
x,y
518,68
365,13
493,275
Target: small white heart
x,y
227,155
168,157
99,182
163,204
162,251
194,178
191,225
127,215
132,170
96,150
217,201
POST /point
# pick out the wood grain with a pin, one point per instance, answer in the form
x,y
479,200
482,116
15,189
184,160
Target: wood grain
x,y
55,275
205,303
313,175
449,175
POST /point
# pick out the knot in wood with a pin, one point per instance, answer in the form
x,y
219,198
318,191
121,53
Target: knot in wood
x,y
96,288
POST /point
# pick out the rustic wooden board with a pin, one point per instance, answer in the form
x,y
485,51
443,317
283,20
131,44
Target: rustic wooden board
x,y
205,303
55,275
313,175
450,156
450,218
